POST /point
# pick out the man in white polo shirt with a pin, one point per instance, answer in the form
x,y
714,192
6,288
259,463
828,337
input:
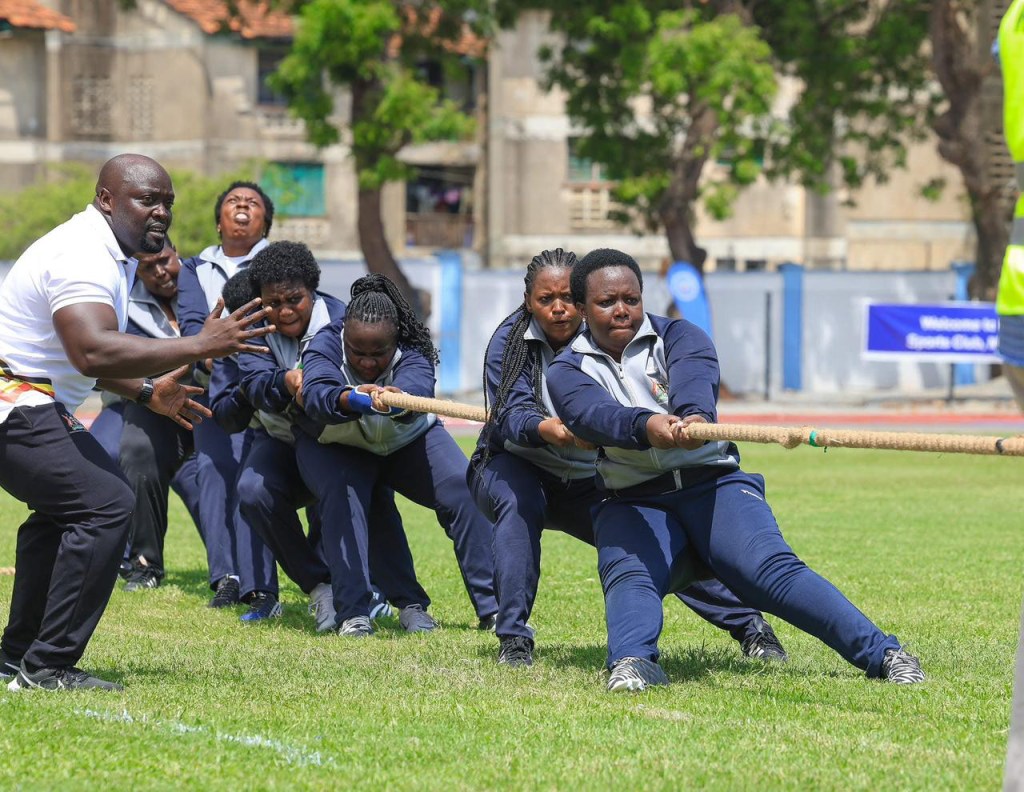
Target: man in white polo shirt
x,y
63,311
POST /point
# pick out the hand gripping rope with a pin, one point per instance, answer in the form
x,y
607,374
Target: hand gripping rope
x,y
787,436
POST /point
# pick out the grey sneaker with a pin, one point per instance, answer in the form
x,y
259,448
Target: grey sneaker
x,y
356,627
414,619
635,673
901,668
8,666
321,607
60,679
764,645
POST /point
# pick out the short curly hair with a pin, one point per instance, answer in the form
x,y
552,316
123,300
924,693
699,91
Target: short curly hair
x,y
284,262
268,204
238,291
596,260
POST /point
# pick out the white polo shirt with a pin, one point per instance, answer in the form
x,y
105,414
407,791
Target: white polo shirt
x,y
78,262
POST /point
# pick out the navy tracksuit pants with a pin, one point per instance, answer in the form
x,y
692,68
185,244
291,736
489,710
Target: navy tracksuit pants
x,y
270,492
728,524
430,471
107,428
152,465
232,547
522,500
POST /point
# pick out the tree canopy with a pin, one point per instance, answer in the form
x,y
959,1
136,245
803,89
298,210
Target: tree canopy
x,y
374,50
706,76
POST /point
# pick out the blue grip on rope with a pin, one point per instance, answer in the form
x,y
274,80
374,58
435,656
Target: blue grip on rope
x,y
360,402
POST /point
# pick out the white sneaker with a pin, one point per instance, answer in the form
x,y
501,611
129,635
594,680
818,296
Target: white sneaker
x,y
356,627
635,673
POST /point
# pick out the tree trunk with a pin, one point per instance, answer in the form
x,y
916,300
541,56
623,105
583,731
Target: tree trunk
x,y
681,243
369,221
961,134
376,250
676,209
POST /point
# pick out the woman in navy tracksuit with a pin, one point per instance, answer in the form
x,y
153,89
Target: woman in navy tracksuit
x,y
632,383
381,345
530,472
154,453
238,559
270,489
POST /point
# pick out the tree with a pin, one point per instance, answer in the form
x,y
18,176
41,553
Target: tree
x,y
961,64
372,48
67,188
708,74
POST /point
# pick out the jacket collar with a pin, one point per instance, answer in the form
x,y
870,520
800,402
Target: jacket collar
x,y
584,344
215,255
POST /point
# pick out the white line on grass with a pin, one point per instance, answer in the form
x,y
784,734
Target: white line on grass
x,y
290,753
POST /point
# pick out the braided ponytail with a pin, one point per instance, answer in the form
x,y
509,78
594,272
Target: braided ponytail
x,y
375,299
517,353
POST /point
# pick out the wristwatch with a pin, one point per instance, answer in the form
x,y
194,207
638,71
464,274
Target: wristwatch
x,y
146,392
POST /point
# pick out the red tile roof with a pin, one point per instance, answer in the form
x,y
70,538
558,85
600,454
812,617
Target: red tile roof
x,y
253,20
30,14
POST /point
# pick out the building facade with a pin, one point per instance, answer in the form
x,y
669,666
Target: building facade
x,y
182,81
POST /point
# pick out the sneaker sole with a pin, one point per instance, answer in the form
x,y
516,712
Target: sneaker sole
x,y
15,686
627,685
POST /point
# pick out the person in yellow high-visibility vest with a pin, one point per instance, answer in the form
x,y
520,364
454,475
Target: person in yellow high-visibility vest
x,y
1010,307
1010,300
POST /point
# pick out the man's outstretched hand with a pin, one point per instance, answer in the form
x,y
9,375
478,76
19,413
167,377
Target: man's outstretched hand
x,y
174,400
225,335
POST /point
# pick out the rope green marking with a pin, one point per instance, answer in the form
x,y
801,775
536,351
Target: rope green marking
x,y
811,439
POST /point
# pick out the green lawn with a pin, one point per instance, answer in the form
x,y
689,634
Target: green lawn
x,y
930,547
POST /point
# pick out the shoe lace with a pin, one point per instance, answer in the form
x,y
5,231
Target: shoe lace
x,y
357,623
262,602
766,639
898,659
70,676
628,667
516,647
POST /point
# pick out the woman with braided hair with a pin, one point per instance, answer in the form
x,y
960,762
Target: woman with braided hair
x,y
380,345
530,472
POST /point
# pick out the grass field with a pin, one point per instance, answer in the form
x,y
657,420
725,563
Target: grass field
x,y
930,547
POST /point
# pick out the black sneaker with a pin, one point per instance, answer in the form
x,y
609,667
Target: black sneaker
x,y
516,651
60,679
901,668
488,623
764,645
263,605
8,666
226,593
143,577
125,570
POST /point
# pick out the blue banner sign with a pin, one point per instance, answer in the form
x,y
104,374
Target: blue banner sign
x,y
941,332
